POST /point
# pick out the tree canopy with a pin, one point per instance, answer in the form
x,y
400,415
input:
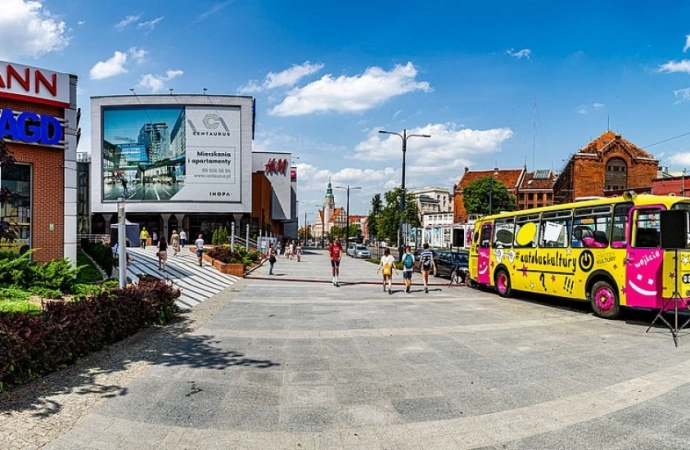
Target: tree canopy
x,y
476,196
389,217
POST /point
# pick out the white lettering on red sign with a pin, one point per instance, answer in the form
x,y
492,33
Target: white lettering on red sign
x,y
33,84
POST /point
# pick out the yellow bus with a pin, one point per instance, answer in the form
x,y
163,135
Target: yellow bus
x,y
15,237
606,251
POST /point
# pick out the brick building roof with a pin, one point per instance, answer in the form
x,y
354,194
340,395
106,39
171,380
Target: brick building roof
x,y
509,177
537,180
599,145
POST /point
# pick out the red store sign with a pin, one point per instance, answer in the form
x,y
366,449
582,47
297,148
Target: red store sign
x,y
276,167
33,84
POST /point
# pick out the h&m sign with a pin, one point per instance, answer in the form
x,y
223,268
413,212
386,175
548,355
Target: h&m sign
x,y
33,84
30,128
276,166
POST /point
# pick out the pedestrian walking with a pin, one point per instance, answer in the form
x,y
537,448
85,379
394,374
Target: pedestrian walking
x,y
271,258
162,254
143,237
408,268
154,238
199,243
183,238
386,267
427,265
298,252
175,242
335,251
124,186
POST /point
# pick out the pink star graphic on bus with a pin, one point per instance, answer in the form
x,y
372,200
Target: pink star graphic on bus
x,y
623,290
672,275
524,270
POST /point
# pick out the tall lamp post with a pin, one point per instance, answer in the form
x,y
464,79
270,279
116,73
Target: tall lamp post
x,y
347,225
323,219
404,136
491,191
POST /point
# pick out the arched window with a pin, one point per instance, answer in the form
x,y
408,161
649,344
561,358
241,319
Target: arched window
x,y
616,174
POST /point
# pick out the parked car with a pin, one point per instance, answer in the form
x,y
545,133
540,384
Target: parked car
x,y
361,251
453,265
351,250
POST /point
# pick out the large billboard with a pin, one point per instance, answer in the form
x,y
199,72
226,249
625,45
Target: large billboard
x,y
171,153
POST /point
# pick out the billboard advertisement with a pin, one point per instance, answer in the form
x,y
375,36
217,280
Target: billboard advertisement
x,y
171,153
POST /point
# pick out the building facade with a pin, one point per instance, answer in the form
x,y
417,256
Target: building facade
x,y
39,126
607,166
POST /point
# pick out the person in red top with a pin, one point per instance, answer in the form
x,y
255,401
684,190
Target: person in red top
x,y
335,250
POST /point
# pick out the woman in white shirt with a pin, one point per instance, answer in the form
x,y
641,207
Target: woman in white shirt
x,y
386,266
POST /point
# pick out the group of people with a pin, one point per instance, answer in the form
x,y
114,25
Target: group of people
x,y
291,248
386,266
426,267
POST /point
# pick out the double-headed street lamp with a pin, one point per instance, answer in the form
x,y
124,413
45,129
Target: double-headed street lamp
x,y
404,136
347,226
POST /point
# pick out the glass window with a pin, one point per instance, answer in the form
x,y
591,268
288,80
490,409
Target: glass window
x,y
526,231
555,228
503,236
685,207
616,174
592,227
15,220
619,231
485,238
647,228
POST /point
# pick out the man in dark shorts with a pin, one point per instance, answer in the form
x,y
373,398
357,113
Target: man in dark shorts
x,y
335,251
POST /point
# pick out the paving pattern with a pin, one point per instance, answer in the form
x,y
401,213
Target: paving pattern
x,y
196,283
306,365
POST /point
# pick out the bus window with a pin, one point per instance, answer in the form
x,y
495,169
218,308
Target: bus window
x,y
485,238
503,233
526,231
555,228
647,228
619,231
593,226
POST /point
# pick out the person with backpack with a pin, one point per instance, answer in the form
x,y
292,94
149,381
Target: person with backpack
x,y
408,268
386,266
426,265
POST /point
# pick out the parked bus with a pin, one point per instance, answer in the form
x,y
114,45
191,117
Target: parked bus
x,y
605,251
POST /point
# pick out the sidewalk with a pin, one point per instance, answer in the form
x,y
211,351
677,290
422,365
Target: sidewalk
x,y
289,364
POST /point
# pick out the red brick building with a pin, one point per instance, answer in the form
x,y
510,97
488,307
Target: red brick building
x,y
607,166
38,121
509,177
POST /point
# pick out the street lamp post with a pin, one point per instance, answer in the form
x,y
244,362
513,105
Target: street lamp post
x,y
347,225
404,136
491,191
323,219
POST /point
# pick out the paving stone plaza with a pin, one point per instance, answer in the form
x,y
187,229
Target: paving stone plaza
x,y
292,362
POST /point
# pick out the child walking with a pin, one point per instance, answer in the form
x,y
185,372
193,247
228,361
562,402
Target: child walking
x,y
386,267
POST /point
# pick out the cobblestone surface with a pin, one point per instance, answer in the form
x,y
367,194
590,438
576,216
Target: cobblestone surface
x,y
34,415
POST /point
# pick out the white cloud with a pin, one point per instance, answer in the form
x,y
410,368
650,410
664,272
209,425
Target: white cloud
x,y
116,64
582,109
121,25
524,53
682,95
26,29
150,24
597,106
138,54
156,83
214,9
109,68
447,148
687,43
351,94
680,159
682,66
81,22
286,78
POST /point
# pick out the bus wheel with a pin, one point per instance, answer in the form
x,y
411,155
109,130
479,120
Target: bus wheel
x,y
503,283
604,299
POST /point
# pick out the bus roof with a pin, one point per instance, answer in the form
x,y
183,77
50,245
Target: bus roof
x,y
638,200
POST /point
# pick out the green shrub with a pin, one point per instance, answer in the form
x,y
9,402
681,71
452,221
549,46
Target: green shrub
x,y
101,254
88,272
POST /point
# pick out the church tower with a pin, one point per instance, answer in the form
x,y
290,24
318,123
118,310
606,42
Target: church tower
x,y
328,204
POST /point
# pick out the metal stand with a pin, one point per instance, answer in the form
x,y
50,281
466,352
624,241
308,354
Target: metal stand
x,y
675,298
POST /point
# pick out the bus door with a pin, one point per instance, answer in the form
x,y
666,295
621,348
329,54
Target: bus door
x,y
644,259
484,253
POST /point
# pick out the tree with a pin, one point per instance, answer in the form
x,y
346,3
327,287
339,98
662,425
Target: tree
x,y
7,196
476,196
305,233
376,208
389,219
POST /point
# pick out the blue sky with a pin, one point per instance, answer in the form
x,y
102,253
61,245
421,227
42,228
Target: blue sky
x,y
328,75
